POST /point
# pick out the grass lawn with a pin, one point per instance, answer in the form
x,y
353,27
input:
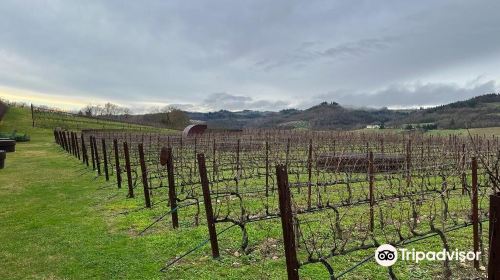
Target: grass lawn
x,y
58,222
52,221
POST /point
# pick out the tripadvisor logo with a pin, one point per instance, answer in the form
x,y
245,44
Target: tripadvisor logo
x,y
387,255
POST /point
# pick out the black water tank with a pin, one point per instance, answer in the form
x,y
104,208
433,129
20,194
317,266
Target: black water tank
x,y
2,159
8,145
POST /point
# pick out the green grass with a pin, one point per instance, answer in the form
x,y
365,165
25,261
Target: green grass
x,y
488,131
56,223
77,122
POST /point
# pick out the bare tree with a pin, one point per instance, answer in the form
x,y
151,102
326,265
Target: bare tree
x,y
127,111
175,117
88,110
111,109
155,110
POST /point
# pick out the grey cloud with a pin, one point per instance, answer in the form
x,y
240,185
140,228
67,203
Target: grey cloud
x,y
419,94
171,52
307,53
360,47
218,101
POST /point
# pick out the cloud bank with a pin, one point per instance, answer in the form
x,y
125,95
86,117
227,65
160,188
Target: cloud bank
x,y
251,55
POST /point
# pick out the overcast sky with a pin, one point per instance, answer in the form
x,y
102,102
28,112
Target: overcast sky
x,y
265,55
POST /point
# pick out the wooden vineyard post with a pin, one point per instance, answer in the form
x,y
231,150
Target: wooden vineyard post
x,y
68,136
208,205
475,211
96,155
75,143
72,141
66,145
85,157
408,165
181,150
58,137
195,152
267,168
488,152
129,172
144,173
32,115
65,142
214,163
494,237
309,174
464,174
70,144
117,164
287,152
372,195
238,165
334,147
55,137
292,265
105,159
92,151
172,196
77,147
61,140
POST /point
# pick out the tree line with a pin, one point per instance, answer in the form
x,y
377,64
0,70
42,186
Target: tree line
x,y
168,116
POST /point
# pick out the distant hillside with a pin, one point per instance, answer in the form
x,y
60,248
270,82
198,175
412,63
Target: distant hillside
x,y
229,120
322,116
328,116
480,111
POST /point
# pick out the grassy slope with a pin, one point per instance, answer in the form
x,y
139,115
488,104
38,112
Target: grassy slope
x,y
80,122
56,224
50,224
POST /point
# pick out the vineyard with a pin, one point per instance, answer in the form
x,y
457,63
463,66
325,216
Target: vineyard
x,y
49,118
323,200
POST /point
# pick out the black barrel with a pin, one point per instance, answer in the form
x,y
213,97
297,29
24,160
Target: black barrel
x,y
2,159
8,145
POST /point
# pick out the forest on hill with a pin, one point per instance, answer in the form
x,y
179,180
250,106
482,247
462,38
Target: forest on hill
x,y
477,112
480,111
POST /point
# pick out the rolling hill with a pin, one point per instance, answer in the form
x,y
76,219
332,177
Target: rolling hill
x,y
480,111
